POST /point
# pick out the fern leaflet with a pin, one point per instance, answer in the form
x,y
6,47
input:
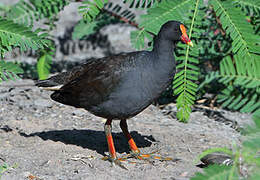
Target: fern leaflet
x,y
140,3
82,29
252,7
183,84
242,34
44,64
9,70
15,35
91,9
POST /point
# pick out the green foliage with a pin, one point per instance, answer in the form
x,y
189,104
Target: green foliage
x,y
234,74
252,7
44,64
6,167
245,157
140,3
9,70
26,13
91,9
48,8
3,168
15,27
184,81
241,32
82,29
160,13
15,35
239,68
137,38
21,13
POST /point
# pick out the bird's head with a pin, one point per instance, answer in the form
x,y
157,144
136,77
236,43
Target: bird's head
x,y
175,31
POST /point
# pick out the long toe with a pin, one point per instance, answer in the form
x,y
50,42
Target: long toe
x,y
115,161
149,157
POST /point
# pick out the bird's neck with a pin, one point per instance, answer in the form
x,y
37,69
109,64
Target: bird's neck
x,y
164,48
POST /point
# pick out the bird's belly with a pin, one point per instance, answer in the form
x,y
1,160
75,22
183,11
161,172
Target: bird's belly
x,y
123,107
130,99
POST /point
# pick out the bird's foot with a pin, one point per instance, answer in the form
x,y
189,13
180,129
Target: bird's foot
x,y
147,157
115,161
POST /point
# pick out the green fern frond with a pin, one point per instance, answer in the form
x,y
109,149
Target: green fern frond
x,y
137,38
163,12
91,9
9,70
184,82
119,11
26,13
252,7
256,118
48,8
212,76
242,79
111,13
15,35
244,100
83,29
244,41
44,64
140,3
243,72
22,13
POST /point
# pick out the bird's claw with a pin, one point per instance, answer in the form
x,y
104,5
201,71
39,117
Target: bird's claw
x,y
146,157
115,161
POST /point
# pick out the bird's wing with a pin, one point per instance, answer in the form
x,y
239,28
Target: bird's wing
x,y
92,82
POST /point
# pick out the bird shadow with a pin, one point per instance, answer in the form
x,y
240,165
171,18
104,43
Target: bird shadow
x,y
91,139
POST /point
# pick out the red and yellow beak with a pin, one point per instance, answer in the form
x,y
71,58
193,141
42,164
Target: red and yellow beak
x,y
184,36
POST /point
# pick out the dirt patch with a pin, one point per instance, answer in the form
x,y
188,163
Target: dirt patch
x,y
49,140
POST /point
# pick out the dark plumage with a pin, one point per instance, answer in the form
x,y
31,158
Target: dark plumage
x,y
120,86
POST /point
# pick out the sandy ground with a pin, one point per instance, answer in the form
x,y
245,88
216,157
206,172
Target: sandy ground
x,y
50,141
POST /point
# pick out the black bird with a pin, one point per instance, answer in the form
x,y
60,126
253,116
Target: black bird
x,y
121,86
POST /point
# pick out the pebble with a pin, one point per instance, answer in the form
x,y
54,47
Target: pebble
x,y
43,103
25,104
3,96
78,112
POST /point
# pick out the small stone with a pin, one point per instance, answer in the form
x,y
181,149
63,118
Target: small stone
x,y
24,104
78,112
43,103
3,96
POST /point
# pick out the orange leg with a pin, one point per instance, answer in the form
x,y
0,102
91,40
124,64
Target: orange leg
x,y
110,143
129,138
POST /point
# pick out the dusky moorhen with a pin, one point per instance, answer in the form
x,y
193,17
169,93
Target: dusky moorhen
x,y
120,86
